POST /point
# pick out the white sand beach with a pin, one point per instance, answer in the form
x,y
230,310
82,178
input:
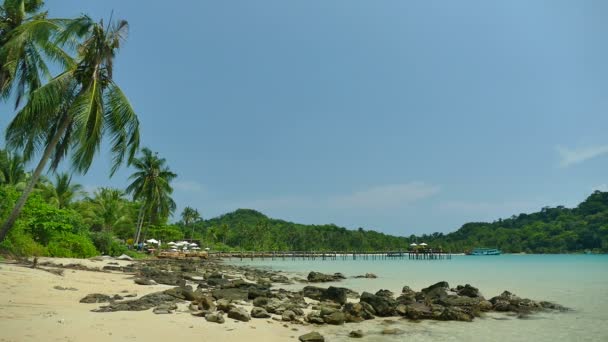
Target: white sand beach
x,y
31,309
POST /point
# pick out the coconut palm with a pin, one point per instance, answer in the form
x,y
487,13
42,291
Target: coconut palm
x,y
26,45
71,113
108,209
12,168
190,216
62,192
151,185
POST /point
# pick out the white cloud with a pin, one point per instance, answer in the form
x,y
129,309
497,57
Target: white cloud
x,y
377,197
571,156
188,186
601,187
386,196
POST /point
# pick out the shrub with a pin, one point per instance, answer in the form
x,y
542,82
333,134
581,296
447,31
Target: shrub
x,y
19,243
107,244
68,245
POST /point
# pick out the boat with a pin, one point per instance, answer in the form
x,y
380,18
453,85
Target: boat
x,y
485,251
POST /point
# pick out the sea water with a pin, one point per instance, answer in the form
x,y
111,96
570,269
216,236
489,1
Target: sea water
x,y
579,282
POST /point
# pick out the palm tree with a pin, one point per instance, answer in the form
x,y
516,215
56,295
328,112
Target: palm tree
x,y
63,191
12,168
25,47
71,113
151,185
190,216
109,209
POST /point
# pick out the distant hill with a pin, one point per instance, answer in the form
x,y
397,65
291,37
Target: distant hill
x,y
552,230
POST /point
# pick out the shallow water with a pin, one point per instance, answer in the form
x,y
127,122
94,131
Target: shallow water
x,y
576,281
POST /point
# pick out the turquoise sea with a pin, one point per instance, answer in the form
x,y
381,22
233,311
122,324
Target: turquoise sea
x,y
576,281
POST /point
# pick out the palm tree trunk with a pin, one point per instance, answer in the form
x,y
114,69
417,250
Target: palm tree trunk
x,y
8,224
140,222
192,235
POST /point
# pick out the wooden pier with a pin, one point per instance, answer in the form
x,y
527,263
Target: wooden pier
x,y
427,254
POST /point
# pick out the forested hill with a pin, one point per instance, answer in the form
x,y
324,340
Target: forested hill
x,y
552,230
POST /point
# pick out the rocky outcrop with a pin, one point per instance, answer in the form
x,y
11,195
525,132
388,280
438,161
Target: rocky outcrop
x,y
257,312
384,306
317,277
239,314
312,337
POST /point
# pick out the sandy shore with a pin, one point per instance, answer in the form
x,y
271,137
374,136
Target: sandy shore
x,y
31,309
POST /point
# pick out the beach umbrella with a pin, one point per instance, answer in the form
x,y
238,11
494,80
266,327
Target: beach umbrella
x,y
413,244
193,245
196,248
152,241
423,244
207,248
171,243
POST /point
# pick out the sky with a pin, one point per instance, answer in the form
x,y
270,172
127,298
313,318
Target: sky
x,y
400,116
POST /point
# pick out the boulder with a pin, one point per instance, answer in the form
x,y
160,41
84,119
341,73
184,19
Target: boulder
x,y
259,313
289,316
419,311
96,298
165,308
455,314
335,294
233,294
215,318
317,277
313,292
124,257
206,303
314,317
356,334
468,291
368,276
358,312
260,301
385,293
224,305
312,337
239,314
144,303
383,306
335,318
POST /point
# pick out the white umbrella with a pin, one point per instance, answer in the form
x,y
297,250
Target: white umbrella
x,y
193,245
207,248
423,244
196,248
152,241
413,244
171,243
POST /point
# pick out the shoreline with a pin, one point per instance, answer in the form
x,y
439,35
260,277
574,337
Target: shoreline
x,y
35,308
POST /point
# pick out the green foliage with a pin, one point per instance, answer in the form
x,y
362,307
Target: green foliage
x,y
45,220
68,245
107,244
20,243
165,233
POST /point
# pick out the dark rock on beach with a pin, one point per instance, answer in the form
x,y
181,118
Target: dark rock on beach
x,y
312,337
317,277
383,305
96,298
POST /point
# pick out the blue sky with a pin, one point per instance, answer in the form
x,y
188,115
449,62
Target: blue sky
x,y
401,116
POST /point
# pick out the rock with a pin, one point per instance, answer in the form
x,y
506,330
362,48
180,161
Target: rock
x,y
455,314
356,334
553,306
61,288
368,276
401,309
254,293
312,337
418,311
385,293
215,318
313,292
358,312
336,294
468,291
206,303
260,301
279,278
317,277
259,313
165,309
314,317
383,306
224,305
96,298
233,294
239,314
144,303
184,293
335,318
435,291
144,281
288,316
124,257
